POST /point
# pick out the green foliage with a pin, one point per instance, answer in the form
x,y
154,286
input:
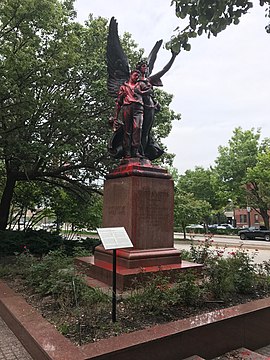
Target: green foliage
x,y
260,175
187,289
155,298
202,252
225,277
219,279
199,183
234,160
188,209
55,275
36,242
32,197
242,265
78,211
54,105
224,231
234,172
210,17
263,276
83,247
41,242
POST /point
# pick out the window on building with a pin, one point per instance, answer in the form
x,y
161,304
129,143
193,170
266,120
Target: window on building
x,y
243,218
256,218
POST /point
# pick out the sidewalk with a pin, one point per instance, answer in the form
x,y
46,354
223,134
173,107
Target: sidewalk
x,y
10,346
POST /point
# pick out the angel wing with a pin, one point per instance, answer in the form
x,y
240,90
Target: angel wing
x,y
152,56
117,61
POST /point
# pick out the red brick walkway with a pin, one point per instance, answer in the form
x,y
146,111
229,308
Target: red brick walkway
x,y
10,346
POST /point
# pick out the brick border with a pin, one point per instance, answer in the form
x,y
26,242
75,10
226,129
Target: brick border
x,y
39,337
208,335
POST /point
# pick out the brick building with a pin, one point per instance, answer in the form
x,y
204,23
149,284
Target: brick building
x,y
244,218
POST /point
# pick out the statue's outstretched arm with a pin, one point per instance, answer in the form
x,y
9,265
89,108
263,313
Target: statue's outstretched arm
x,y
156,78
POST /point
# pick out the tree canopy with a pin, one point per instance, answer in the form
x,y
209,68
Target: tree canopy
x,y
209,17
54,106
241,173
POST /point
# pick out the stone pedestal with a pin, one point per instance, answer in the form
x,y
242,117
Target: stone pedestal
x,y
138,197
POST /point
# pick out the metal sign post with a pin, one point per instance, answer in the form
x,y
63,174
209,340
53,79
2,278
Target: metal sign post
x,y
112,239
114,288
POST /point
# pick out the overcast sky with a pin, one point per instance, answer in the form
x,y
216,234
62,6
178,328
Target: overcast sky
x,y
220,84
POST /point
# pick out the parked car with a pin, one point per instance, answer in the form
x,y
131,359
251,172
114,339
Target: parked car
x,y
253,233
221,226
225,226
212,226
194,226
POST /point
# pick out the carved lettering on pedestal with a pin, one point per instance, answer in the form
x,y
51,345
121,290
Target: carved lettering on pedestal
x,y
153,207
116,209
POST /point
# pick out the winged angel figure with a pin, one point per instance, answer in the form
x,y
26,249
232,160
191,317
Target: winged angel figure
x,y
135,101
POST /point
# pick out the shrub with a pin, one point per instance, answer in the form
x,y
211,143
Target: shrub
x,y
71,246
224,277
244,271
55,275
37,242
187,289
41,242
154,298
219,279
263,276
202,252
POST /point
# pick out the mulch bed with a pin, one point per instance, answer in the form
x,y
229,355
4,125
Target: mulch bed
x,y
94,323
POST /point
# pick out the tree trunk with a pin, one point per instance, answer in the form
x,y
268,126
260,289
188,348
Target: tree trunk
x,y
184,231
265,217
5,203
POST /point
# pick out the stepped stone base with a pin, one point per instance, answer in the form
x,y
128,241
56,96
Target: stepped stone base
x,y
135,258
138,196
127,278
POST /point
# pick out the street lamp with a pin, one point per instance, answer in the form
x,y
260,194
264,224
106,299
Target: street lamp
x,y
230,201
248,212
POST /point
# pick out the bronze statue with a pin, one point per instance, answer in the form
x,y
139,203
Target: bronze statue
x,y
132,136
130,99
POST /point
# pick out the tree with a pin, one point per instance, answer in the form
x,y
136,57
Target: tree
x,y
77,211
29,198
51,96
258,178
54,106
188,210
210,17
234,170
199,183
202,183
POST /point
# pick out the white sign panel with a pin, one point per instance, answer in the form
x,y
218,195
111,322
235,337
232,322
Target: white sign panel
x,y
114,238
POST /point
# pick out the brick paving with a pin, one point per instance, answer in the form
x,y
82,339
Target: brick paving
x,y
264,351
10,346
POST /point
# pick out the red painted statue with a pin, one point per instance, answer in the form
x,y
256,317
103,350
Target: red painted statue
x,y
135,97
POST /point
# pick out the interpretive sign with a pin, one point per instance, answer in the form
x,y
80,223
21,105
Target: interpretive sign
x,y
114,238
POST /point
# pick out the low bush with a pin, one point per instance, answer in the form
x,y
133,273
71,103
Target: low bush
x,y
41,242
71,247
78,309
154,298
37,242
188,289
56,275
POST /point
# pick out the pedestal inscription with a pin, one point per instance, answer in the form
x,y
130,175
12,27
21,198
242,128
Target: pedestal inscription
x,y
144,206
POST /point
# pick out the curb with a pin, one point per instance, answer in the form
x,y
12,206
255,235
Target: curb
x,y
38,336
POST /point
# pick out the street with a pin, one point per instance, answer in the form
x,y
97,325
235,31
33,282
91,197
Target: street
x,y
260,249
